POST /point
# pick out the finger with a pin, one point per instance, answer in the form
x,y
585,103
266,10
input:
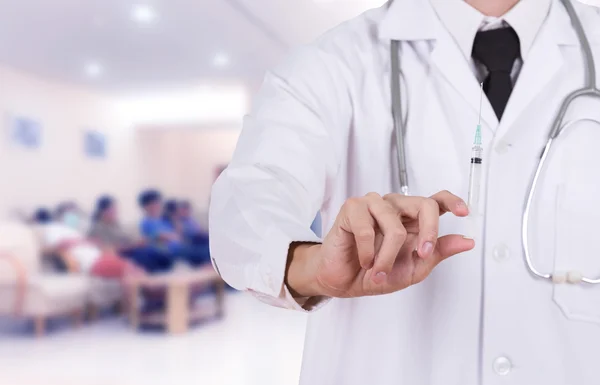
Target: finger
x,y
429,219
427,211
449,202
394,236
451,245
362,225
408,207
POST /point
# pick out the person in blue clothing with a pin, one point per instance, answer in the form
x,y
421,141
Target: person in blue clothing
x,y
164,235
171,217
107,232
190,228
178,216
189,224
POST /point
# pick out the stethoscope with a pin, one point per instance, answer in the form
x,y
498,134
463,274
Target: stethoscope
x,y
558,126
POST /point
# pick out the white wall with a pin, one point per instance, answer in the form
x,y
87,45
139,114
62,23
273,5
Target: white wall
x,y
182,162
59,169
178,160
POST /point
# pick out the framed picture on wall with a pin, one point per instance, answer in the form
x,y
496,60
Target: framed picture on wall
x,y
25,132
94,143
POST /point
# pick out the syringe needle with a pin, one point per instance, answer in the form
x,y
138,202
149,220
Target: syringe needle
x,y
480,102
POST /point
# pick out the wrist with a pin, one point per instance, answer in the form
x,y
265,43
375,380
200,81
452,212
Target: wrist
x,y
301,274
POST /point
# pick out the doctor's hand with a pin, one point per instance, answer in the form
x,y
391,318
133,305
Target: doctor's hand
x,y
378,245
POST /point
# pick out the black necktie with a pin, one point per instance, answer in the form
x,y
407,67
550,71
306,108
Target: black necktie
x,y
497,50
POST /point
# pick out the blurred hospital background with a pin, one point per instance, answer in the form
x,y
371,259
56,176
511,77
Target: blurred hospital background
x,y
116,116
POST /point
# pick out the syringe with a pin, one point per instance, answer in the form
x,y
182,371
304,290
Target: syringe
x,y
476,167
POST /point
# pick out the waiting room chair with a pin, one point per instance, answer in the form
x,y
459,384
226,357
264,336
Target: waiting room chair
x,y
26,290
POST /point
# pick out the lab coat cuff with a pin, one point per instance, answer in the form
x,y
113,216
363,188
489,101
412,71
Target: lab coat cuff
x,y
268,282
286,301
307,304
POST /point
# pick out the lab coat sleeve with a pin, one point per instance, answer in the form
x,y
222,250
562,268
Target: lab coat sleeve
x,y
277,180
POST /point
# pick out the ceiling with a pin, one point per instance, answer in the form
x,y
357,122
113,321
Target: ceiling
x,y
58,39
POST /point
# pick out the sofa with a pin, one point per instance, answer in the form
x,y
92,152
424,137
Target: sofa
x,y
26,289
31,288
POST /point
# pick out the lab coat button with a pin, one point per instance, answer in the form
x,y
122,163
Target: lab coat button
x,y
501,253
502,366
502,147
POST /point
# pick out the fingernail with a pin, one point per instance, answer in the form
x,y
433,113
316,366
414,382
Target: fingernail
x,y
427,249
469,238
379,277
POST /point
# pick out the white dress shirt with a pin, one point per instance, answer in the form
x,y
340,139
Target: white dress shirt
x,y
526,18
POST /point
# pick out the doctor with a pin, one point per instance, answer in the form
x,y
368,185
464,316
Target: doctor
x,y
397,295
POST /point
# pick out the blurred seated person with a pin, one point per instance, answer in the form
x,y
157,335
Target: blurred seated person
x,y
161,234
107,232
190,227
171,217
177,215
42,216
61,236
72,215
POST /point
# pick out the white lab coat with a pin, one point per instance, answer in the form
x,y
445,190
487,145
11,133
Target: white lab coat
x,y
322,131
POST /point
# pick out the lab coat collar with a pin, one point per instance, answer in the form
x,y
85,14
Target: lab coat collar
x,y
456,69
564,32
541,66
408,20
461,20
527,18
546,59
413,20
416,20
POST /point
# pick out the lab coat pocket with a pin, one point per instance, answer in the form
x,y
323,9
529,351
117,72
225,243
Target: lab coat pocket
x,y
577,250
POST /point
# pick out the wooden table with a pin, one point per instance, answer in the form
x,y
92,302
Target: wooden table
x,y
180,311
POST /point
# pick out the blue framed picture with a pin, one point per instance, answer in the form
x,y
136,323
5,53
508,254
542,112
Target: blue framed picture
x,y
25,132
95,144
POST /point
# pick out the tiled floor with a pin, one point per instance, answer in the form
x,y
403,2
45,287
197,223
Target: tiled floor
x,y
254,344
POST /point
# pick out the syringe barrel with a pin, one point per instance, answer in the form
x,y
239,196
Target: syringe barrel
x,y
477,152
475,185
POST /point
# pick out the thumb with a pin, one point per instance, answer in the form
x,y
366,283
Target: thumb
x,y
450,245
